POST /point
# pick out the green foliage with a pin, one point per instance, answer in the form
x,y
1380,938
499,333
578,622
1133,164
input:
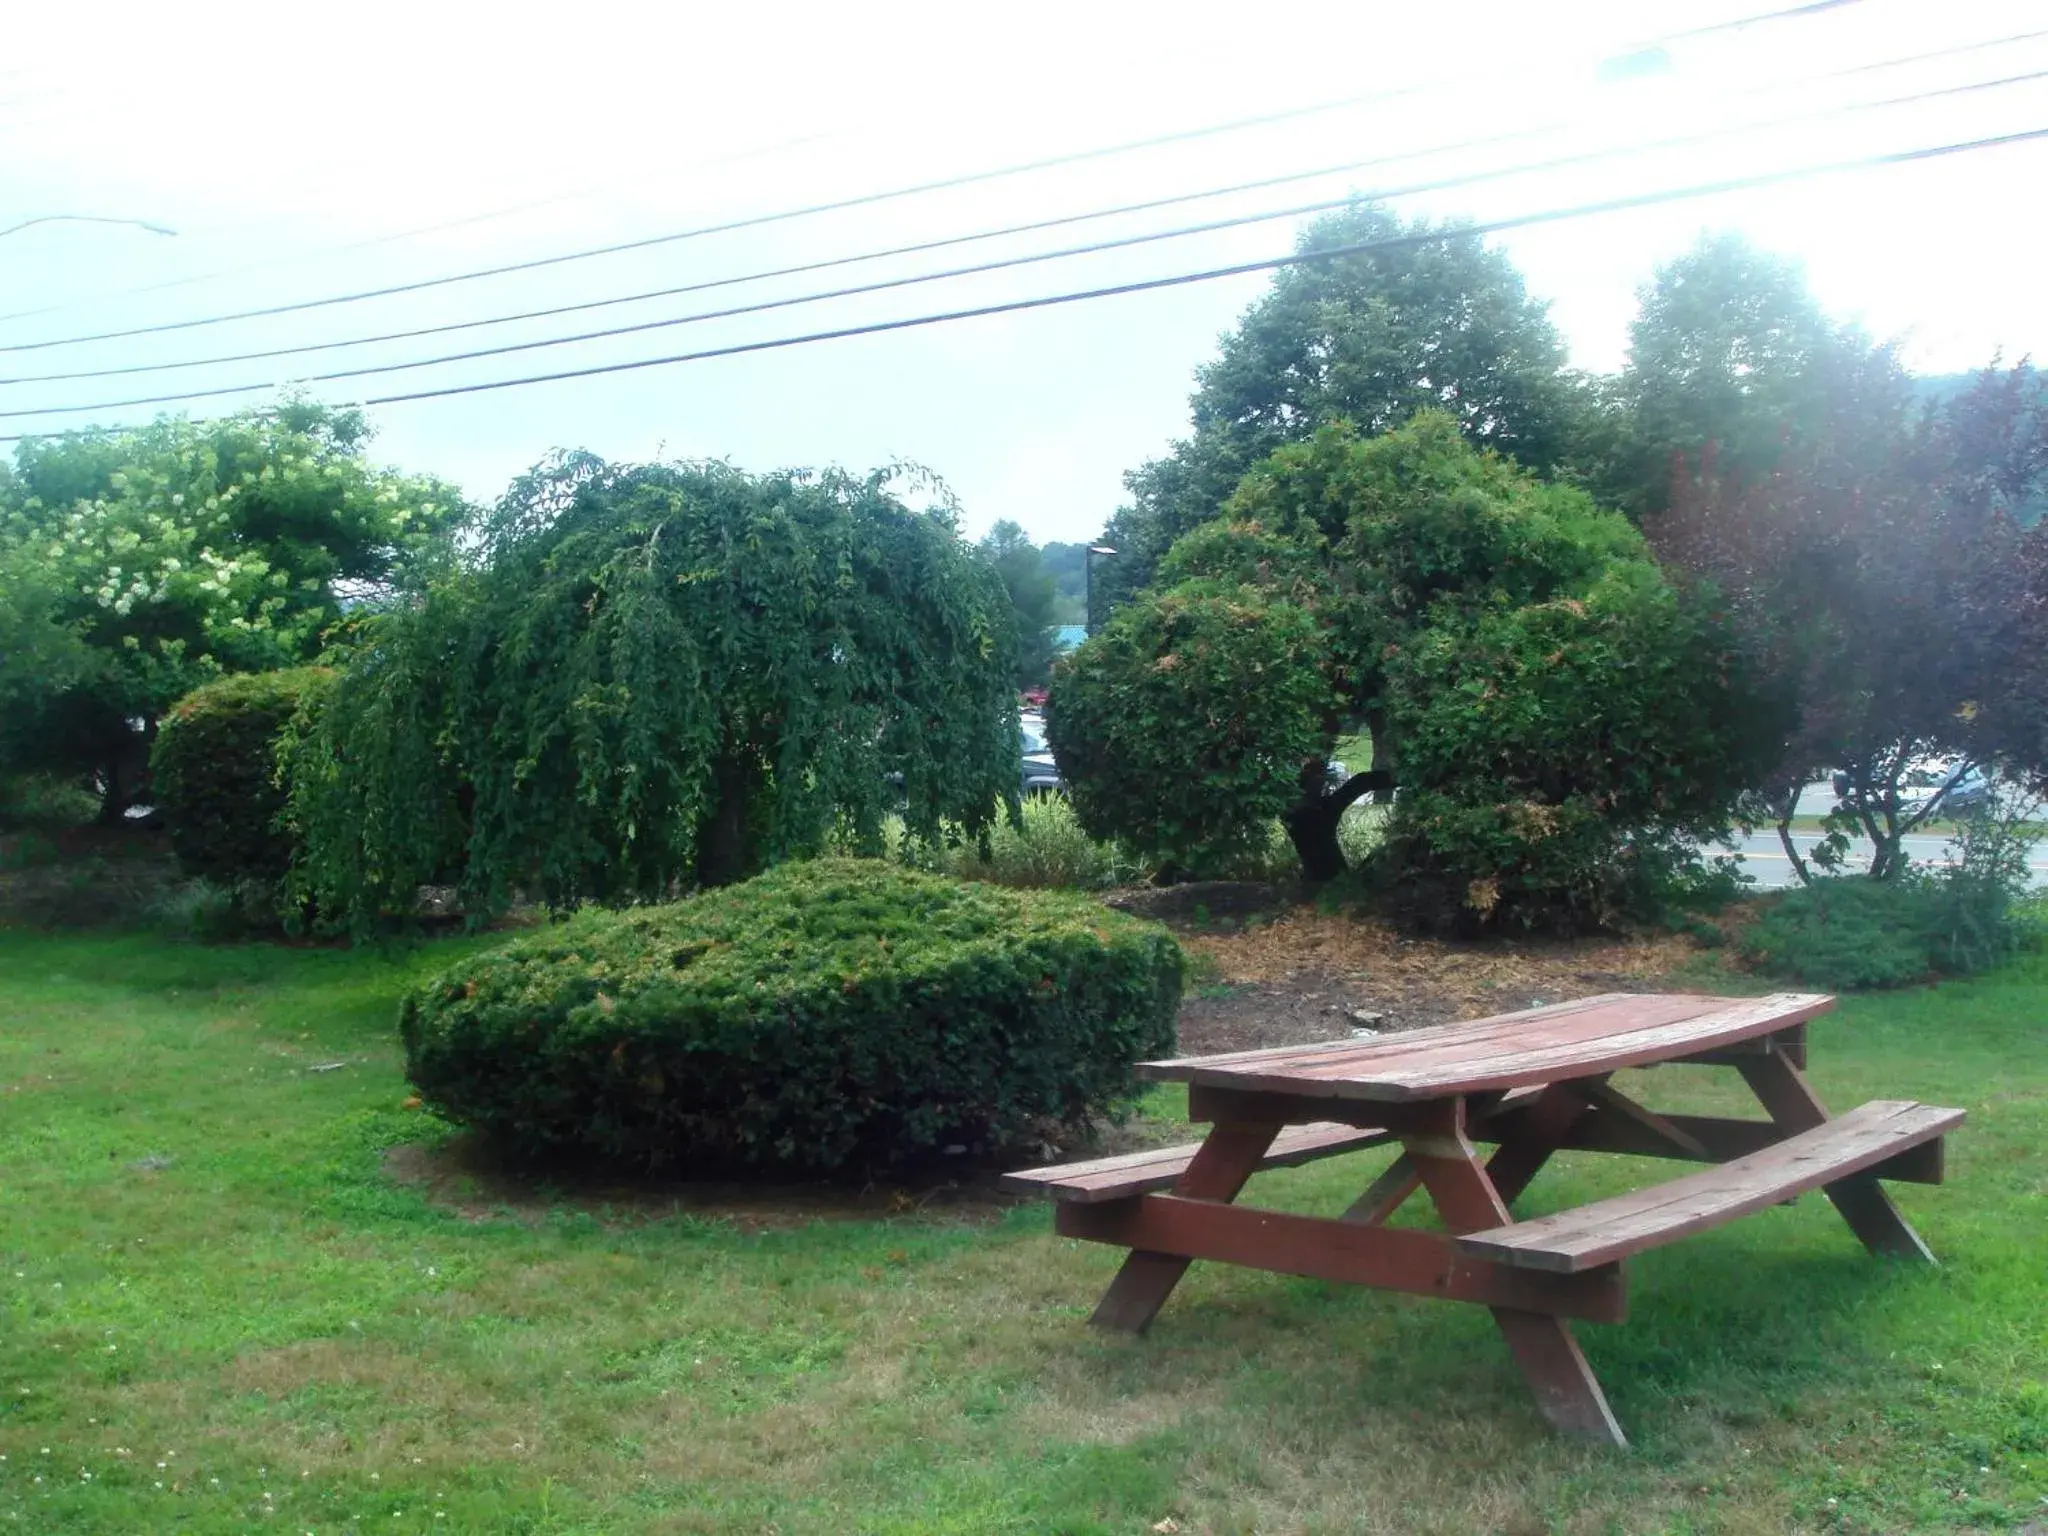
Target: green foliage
x,y
43,800
1030,585
1853,932
215,773
1557,758
836,1014
1557,720
1731,361
137,564
1045,848
1184,723
654,677
1370,338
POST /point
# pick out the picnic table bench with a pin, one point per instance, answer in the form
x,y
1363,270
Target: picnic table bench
x,y
1531,1083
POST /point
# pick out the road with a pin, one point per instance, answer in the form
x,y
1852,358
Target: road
x,y
1764,857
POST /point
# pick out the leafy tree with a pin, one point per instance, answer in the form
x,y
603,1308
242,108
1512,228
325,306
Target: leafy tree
x,y
137,564
1731,360
1557,719
1441,323
1017,561
1883,576
658,676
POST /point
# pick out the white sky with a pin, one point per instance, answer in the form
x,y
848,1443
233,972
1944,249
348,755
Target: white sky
x,y
299,151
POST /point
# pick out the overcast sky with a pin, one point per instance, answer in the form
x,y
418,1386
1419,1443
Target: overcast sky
x,y
302,152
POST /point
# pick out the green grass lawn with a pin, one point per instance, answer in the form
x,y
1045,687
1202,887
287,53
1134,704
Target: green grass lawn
x,y
218,1313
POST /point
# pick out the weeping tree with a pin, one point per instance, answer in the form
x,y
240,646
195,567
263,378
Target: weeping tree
x,y
640,679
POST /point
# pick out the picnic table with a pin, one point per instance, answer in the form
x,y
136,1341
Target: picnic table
x,y
1530,1083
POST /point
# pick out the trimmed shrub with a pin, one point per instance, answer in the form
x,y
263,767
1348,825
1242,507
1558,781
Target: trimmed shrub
x,y
839,1013
215,772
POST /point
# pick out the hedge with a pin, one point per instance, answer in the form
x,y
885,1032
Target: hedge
x,y
823,1016
215,773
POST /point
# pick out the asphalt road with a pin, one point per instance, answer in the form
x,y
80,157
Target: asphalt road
x,y
1763,856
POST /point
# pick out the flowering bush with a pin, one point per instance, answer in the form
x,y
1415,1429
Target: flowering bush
x,y
137,564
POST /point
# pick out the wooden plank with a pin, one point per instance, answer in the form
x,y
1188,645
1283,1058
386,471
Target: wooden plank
x,y
1386,1194
1540,1130
1589,1018
1219,1104
1228,1156
1607,1096
1567,1391
1602,1130
1389,1258
1134,1173
1556,1368
1608,1230
1783,1091
1790,1043
1632,1032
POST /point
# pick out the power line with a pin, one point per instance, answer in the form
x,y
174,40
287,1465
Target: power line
x,y
869,199
397,235
1031,259
1268,264
1493,226
1034,226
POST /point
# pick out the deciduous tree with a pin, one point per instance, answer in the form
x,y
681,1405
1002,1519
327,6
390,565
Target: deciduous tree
x,y
1557,720
137,564
1432,319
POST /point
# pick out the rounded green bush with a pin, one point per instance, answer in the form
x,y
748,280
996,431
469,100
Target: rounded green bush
x,y
824,1015
214,768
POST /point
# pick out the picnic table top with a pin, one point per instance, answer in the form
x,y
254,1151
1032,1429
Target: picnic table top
x,y
1558,1043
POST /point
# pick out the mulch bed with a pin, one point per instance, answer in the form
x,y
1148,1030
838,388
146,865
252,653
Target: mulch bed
x,y
1293,974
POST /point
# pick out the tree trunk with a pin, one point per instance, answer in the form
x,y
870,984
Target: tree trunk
x,y
1792,851
722,852
1313,827
1312,824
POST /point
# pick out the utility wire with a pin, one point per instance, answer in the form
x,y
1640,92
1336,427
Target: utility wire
x,y
867,199
1120,210
1268,264
1091,248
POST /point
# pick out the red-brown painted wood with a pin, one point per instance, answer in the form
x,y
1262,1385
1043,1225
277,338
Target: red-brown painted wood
x,y
1226,1159
1783,1091
1387,1258
1137,1173
1612,1229
1601,1036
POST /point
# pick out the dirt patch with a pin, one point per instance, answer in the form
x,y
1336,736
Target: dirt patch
x,y
1307,975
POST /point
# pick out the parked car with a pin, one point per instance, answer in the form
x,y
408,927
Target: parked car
x,y
1037,773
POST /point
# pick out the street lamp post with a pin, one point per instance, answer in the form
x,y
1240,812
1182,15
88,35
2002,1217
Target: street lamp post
x,y
1088,565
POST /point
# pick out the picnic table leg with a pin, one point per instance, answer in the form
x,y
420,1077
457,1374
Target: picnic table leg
x,y
1793,1106
1556,1368
1228,1156
1543,1127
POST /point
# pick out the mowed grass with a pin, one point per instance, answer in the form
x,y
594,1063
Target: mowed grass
x,y
219,1313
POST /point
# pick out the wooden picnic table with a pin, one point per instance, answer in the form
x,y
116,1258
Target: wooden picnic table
x,y
1532,1083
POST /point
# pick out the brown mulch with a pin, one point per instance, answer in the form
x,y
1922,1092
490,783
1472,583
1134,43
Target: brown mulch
x,y
1307,975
